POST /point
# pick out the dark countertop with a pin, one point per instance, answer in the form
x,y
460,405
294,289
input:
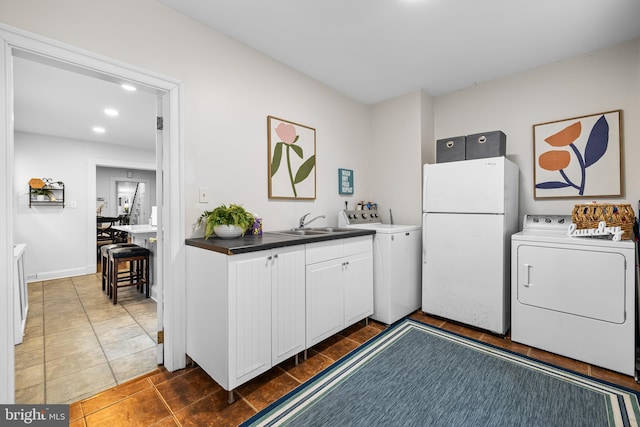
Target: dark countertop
x,y
269,240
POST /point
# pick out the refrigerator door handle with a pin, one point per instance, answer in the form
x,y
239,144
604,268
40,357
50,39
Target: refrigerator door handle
x,y
424,253
424,241
527,282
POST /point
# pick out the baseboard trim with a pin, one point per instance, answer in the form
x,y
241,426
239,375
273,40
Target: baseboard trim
x,y
59,274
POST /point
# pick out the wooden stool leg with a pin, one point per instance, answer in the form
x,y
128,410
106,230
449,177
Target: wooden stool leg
x,y
143,274
114,281
104,273
147,282
109,276
138,274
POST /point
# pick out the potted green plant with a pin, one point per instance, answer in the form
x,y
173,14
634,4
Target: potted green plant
x,y
226,221
41,193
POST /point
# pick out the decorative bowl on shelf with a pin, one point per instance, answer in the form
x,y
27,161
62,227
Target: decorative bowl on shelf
x,y
224,231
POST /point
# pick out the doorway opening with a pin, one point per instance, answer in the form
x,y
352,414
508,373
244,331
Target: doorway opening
x,y
168,163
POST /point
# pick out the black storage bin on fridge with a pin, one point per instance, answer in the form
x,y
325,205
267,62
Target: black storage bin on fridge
x,y
487,144
450,149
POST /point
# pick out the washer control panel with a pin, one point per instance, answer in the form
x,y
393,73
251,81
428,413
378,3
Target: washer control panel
x,y
355,217
546,222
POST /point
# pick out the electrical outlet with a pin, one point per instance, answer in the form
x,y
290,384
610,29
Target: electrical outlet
x,y
203,195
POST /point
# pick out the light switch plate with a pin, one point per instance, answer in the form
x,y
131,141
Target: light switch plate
x,y
203,195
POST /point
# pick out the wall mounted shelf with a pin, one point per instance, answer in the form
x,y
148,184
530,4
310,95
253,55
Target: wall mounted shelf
x,y
51,194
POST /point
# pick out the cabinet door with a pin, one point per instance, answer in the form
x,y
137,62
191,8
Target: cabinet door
x,y
325,299
249,316
358,287
287,303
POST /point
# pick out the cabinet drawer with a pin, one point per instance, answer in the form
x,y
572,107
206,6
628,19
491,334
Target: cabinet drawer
x,y
323,251
332,249
357,245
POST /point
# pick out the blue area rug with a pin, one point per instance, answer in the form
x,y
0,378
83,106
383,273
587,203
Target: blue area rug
x,y
414,374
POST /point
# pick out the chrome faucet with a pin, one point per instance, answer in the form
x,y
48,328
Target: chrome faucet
x,y
304,224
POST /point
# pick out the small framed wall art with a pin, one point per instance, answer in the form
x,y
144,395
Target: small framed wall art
x,y
345,181
292,160
578,157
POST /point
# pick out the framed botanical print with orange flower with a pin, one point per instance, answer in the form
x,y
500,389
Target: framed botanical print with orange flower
x,y
292,160
578,157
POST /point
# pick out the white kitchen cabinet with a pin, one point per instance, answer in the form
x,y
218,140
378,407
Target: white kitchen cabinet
x,y
287,303
325,300
339,282
358,288
246,311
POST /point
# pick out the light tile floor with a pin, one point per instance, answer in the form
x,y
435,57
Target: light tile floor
x,y
77,343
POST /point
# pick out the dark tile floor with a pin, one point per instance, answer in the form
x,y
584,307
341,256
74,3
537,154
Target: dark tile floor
x,y
189,397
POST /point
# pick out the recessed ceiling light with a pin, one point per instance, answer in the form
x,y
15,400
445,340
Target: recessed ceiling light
x,y
111,112
130,88
98,129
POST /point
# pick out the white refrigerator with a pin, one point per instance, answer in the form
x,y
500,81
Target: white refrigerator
x,y
470,211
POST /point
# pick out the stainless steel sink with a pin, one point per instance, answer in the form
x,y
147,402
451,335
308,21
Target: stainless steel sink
x,y
302,232
317,231
331,229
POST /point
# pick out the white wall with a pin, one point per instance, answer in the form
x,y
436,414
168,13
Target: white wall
x,y
427,155
395,157
57,238
602,81
229,90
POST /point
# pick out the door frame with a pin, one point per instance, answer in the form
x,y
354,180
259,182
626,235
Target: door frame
x,y
171,230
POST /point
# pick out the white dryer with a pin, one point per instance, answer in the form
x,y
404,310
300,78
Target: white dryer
x,y
573,296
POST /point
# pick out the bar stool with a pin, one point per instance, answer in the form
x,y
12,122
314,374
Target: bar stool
x,y
138,274
104,262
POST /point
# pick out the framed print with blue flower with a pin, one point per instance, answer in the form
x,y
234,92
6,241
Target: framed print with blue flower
x,y
292,160
578,157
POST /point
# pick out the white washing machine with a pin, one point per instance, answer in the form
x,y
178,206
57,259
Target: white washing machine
x,y
573,296
397,283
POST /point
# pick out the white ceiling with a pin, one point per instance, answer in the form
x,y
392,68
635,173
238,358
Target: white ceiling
x,y
53,101
372,50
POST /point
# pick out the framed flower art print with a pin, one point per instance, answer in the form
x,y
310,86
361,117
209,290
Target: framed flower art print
x,y
578,157
292,160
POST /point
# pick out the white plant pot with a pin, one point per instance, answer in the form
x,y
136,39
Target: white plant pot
x,y
227,231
